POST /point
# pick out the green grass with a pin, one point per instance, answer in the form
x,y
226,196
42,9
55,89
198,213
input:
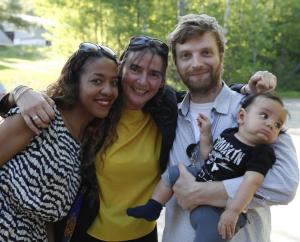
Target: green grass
x,y
289,94
32,66
23,52
37,67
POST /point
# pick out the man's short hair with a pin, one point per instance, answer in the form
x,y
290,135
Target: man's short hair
x,y
193,25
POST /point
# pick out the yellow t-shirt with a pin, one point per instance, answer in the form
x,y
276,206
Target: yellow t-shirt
x,y
127,178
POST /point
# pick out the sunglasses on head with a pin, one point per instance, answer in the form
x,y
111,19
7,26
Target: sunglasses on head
x,y
95,48
145,41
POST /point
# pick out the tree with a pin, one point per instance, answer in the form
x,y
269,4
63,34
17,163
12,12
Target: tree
x,y
260,34
9,12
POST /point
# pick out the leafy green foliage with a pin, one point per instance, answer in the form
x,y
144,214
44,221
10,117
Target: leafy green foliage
x,y
9,10
261,34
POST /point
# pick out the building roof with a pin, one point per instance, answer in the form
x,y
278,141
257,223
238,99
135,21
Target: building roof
x,y
4,40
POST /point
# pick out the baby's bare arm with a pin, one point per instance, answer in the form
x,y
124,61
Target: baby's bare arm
x,y
14,137
206,136
251,182
162,193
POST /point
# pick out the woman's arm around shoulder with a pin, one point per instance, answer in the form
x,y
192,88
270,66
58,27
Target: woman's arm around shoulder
x,y
14,137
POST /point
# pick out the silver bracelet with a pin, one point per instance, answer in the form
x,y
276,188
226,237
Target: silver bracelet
x,y
19,91
16,89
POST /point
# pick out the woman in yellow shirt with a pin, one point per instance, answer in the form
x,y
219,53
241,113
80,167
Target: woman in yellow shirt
x,y
128,170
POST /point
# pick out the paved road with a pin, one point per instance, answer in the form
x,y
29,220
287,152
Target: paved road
x,y
293,107
285,219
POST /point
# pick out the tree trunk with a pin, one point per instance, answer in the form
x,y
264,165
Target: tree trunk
x,y
226,13
181,7
138,13
254,48
101,21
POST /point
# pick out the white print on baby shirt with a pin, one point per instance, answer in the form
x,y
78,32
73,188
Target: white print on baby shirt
x,y
222,159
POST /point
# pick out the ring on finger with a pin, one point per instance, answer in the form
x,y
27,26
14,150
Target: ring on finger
x,y
35,117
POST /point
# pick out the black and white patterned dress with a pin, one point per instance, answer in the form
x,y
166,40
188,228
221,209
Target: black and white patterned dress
x,y
39,184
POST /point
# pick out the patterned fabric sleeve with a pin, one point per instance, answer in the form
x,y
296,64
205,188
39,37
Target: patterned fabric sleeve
x,y
39,184
13,111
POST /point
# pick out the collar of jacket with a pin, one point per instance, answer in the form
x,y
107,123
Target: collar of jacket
x,y
220,104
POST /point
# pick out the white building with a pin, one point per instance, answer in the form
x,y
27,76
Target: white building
x,y
33,35
4,40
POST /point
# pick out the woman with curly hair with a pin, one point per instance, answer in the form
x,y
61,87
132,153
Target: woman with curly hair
x,y
40,175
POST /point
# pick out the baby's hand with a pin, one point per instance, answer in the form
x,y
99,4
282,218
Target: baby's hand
x,y
261,82
204,124
227,223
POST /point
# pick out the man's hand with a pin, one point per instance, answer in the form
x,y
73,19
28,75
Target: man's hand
x,y
185,190
190,193
261,82
36,109
227,223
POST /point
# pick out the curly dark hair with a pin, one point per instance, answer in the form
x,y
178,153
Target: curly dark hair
x,y
248,100
252,97
100,132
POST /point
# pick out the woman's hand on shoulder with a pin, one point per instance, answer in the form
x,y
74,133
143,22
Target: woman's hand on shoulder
x,y
36,109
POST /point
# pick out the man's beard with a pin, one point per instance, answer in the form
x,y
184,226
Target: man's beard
x,y
206,85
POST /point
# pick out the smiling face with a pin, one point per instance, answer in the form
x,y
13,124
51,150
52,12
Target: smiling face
x,y
98,87
199,64
142,76
261,121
